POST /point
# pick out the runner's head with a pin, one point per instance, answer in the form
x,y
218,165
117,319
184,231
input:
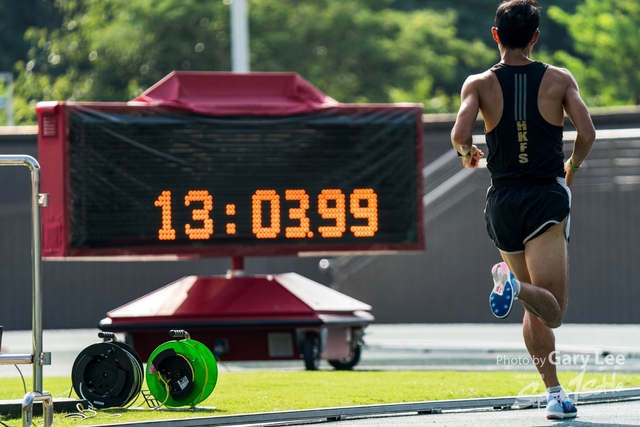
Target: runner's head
x,y
517,21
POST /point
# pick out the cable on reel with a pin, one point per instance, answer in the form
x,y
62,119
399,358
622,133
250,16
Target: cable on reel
x,y
181,372
107,374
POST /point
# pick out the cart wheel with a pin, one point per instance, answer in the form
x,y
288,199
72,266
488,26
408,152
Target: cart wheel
x,y
348,362
311,353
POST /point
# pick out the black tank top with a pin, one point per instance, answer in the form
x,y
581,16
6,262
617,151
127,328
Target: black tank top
x,y
524,149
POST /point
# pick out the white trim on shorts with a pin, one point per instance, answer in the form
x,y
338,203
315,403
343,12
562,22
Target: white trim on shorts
x,y
567,227
511,253
568,218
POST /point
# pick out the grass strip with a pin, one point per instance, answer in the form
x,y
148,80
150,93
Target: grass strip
x,y
267,391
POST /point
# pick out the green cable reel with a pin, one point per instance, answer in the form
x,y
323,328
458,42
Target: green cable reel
x,y
182,372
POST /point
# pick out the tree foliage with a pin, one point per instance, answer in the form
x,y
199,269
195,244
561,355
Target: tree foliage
x,y
15,18
357,54
476,17
607,35
355,51
110,50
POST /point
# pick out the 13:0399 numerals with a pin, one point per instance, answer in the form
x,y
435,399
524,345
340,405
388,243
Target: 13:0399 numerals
x,y
332,206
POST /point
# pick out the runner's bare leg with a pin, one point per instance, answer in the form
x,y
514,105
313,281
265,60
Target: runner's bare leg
x,y
542,270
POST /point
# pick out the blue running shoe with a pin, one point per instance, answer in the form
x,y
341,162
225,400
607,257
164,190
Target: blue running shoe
x,y
559,406
505,290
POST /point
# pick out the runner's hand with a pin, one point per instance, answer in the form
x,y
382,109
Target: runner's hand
x,y
568,174
476,155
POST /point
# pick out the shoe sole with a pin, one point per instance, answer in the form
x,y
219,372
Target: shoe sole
x,y
561,416
500,278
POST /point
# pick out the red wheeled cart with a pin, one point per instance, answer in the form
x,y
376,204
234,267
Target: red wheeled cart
x,y
267,317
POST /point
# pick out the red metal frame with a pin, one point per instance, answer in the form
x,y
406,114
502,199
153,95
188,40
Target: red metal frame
x,y
53,148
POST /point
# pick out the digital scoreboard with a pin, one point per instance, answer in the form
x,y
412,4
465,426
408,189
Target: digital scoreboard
x,y
140,179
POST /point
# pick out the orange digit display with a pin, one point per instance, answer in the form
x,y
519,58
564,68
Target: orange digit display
x,y
200,214
337,212
167,231
370,211
363,204
261,232
298,214
331,206
231,227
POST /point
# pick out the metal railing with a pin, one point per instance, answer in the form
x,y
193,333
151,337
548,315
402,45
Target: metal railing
x,y
446,182
614,162
38,358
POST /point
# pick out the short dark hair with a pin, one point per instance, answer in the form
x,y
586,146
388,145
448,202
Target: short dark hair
x,y
517,21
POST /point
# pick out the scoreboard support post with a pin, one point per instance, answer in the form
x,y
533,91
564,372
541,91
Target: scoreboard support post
x,y
237,266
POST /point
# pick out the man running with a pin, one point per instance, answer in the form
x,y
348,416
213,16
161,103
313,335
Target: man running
x,y
527,212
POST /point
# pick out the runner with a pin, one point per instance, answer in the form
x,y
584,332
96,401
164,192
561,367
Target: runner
x,y
527,212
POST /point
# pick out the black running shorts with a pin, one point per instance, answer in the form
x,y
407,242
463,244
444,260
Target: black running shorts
x,y
516,214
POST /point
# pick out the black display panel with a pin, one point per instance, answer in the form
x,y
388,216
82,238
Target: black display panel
x,y
161,182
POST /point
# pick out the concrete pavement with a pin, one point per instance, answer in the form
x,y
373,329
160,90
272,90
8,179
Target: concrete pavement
x,y
405,346
593,415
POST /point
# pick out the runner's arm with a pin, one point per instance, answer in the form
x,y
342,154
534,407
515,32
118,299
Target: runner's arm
x,y
579,116
461,134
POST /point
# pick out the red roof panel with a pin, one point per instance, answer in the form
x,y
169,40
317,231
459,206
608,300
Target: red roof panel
x,y
223,94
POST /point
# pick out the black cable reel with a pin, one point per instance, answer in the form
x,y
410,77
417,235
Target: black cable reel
x,y
108,374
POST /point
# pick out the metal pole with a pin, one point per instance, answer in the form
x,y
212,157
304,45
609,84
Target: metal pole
x,y
37,200
36,250
239,36
27,408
